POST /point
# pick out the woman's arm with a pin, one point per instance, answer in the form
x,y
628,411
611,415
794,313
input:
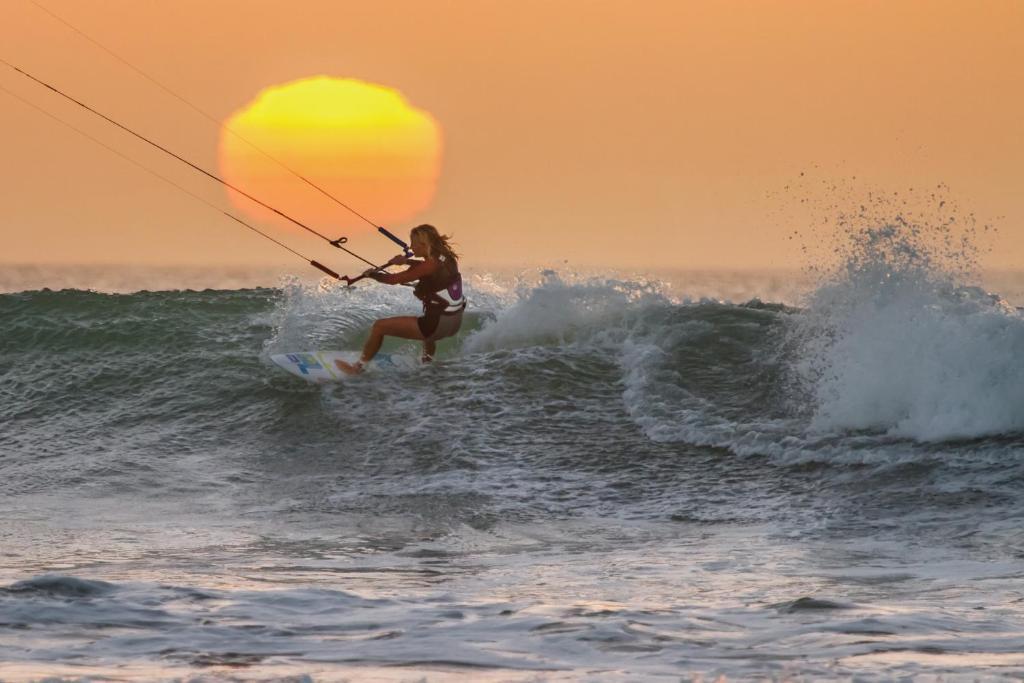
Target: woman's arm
x,y
418,270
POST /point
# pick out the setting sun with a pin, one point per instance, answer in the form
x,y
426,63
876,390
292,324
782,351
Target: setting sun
x,y
361,142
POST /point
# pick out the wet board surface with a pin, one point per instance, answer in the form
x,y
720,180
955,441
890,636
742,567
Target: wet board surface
x,y
318,367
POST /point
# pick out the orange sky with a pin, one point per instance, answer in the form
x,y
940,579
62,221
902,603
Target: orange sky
x,y
639,134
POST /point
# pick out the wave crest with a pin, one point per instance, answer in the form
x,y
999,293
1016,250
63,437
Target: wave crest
x,y
893,340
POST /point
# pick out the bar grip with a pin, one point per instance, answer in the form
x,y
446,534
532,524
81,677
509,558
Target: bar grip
x,y
387,233
325,269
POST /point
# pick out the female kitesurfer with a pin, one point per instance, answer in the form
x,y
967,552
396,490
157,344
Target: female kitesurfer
x,y
438,286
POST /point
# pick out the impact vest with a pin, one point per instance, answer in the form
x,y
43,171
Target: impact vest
x,y
442,289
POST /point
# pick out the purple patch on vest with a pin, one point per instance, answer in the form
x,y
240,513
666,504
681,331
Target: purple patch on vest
x,y
455,289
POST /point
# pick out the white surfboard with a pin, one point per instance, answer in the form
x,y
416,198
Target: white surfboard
x,y
318,367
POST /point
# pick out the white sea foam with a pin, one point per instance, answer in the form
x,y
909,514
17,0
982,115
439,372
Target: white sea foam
x,y
329,315
894,342
561,310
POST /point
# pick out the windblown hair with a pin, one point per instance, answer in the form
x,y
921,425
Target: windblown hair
x,y
440,245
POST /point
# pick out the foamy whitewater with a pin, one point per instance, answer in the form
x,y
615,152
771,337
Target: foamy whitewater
x,y
602,478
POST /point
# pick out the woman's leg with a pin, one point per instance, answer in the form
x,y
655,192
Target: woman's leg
x,y
403,326
429,348
447,326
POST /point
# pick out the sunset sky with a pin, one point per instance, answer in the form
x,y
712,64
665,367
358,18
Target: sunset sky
x,y
633,134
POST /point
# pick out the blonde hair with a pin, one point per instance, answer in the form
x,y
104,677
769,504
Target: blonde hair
x,y
438,244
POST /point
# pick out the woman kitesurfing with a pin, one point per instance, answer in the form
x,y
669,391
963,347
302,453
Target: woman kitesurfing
x,y
435,268
438,285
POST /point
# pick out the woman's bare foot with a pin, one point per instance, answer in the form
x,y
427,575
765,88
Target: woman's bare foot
x,y
349,368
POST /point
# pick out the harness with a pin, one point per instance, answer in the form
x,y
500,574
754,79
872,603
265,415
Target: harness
x,y
441,291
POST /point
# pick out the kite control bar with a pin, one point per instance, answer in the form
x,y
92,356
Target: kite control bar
x,y
352,280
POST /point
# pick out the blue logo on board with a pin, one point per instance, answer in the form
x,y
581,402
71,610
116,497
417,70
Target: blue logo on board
x,y
305,362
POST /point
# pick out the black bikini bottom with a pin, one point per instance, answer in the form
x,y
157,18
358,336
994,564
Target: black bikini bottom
x,y
436,324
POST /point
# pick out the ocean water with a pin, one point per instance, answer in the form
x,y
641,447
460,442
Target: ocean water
x,y
699,477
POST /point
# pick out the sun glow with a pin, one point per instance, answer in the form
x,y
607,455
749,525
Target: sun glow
x,y
363,143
